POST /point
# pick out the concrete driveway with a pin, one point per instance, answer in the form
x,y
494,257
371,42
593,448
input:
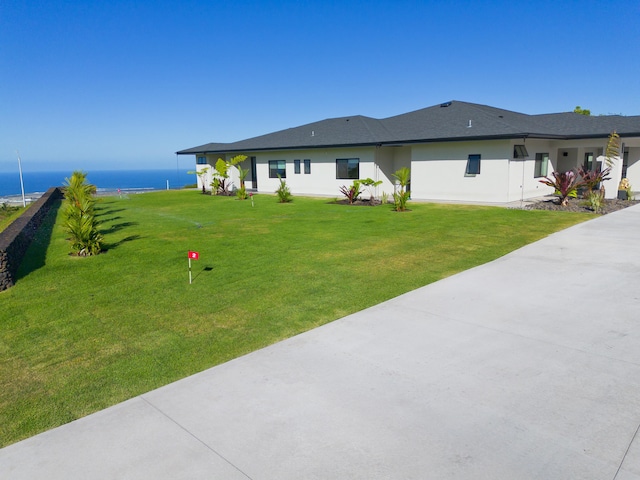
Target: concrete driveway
x,y
524,368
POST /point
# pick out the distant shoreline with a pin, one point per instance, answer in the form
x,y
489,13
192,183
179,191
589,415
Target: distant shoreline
x,y
106,192
36,183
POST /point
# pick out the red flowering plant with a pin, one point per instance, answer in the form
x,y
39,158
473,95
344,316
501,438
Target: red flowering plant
x,y
566,185
352,192
592,178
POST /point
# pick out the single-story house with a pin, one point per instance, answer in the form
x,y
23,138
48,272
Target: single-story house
x,y
456,151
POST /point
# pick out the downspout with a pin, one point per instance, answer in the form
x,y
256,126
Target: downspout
x,y
509,175
377,169
524,161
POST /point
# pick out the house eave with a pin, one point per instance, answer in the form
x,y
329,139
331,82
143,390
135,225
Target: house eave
x,y
393,143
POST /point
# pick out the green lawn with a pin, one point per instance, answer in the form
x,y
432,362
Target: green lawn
x,y
8,214
80,334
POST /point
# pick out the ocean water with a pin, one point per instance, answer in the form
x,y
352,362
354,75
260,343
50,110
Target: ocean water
x,y
105,181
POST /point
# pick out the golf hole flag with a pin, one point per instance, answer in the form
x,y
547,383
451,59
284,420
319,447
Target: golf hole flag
x,y
192,256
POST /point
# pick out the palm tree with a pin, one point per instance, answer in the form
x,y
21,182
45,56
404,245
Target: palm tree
x,y
401,197
80,221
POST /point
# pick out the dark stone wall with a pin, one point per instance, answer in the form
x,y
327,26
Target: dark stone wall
x,y
16,238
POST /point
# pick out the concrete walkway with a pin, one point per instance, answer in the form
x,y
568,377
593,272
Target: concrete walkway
x,y
525,368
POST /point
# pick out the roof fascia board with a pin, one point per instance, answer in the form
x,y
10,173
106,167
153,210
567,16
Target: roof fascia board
x,y
275,149
601,135
396,143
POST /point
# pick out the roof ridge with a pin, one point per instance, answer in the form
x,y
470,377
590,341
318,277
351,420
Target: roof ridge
x,y
380,124
447,121
500,119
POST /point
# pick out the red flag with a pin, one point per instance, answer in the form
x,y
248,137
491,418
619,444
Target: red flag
x,y
194,255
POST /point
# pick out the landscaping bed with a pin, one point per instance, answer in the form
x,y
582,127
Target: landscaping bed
x,y
361,203
579,205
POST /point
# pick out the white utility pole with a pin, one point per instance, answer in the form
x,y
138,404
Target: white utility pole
x,y
24,202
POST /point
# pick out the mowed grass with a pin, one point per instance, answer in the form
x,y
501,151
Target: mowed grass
x,y
81,334
8,214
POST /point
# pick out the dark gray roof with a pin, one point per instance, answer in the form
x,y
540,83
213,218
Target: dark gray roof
x,y
450,121
209,147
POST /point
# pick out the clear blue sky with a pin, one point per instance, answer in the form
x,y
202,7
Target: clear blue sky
x,y
123,84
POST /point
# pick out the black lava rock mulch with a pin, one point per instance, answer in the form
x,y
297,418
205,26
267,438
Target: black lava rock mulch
x,y
579,205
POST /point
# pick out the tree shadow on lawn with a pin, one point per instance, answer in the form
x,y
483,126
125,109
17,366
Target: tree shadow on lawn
x,y
35,255
117,227
107,220
106,246
101,211
108,230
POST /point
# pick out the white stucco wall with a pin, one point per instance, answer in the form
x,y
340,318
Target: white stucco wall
x,y
523,183
322,179
611,184
233,181
633,168
438,171
206,178
390,160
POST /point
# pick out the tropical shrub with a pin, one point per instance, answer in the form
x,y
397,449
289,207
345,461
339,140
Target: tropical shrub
x,y
220,177
79,217
401,195
6,209
202,174
400,200
352,192
221,174
566,185
7,212
283,192
241,193
371,185
592,178
594,199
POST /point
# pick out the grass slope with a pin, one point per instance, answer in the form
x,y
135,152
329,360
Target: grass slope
x,y
8,214
80,334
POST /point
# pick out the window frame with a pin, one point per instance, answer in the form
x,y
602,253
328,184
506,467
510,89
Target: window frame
x,y
307,166
296,166
472,158
346,172
201,160
541,166
280,168
589,158
520,151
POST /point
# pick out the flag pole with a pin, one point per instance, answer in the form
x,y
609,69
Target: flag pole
x,y
195,256
24,202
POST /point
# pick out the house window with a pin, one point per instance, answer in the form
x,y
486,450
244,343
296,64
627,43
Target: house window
x,y
277,167
473,166
520,151
201,160
348,168
307,166
542,162
588,161
296,166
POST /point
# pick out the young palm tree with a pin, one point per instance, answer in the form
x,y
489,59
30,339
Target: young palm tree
x,y
401,197
80,221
